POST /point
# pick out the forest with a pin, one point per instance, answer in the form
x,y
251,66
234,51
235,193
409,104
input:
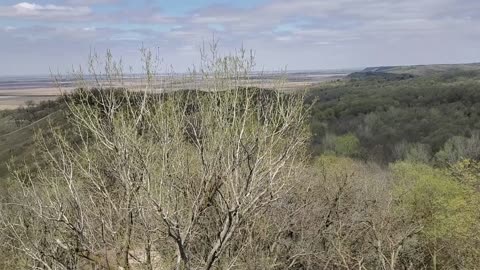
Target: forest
x,y
390,117
374,171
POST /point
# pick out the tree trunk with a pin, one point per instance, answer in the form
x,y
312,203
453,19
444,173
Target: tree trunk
x,y
228,228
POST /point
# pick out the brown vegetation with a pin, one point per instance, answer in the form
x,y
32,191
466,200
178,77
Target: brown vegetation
x,y
221,179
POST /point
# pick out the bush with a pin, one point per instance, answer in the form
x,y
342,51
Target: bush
x,y
445,210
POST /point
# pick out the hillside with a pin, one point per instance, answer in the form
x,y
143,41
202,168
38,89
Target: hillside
x,y
183,148
389,111
18,128
383,108
425,70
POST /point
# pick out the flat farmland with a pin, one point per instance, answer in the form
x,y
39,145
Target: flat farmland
x,y
16,91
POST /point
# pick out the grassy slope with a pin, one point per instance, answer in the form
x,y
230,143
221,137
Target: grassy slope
x,y
17,141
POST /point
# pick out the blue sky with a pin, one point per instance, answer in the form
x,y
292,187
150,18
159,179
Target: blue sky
x,y
39,35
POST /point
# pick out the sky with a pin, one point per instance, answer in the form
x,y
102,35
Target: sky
x,y
44,35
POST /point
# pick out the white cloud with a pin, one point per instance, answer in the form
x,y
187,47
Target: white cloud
x,y
33,10
9,28
322,43
301,33
90,2
284,38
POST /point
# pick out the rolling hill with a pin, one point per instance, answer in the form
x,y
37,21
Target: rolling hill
x,y
425,70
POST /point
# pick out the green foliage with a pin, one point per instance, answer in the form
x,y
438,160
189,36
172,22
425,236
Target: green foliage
x,y
443,70
346,145
17,130
445,209
467,172
382,113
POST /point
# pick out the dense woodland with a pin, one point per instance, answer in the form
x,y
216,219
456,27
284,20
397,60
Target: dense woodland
x,y
389,117
371,172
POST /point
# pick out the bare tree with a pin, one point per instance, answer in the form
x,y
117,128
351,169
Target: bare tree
x,y
158,179
340,215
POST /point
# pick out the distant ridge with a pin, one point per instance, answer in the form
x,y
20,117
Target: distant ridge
x,y
423,70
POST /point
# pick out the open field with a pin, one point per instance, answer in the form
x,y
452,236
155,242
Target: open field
x,y
13,100
15,92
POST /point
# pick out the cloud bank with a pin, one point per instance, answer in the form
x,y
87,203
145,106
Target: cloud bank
x,y
303,34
